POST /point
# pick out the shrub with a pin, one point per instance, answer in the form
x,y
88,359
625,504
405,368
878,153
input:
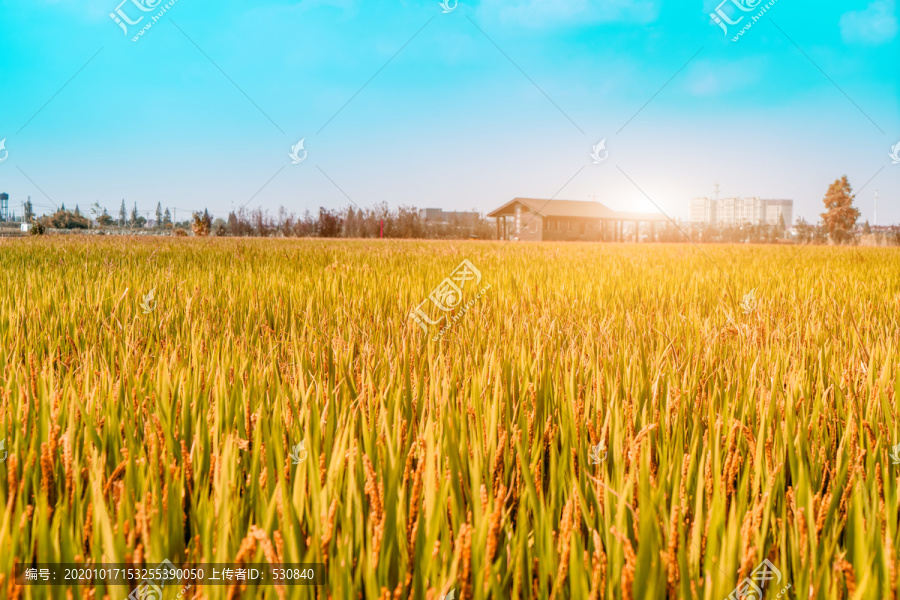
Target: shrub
x,y
64,219
202,224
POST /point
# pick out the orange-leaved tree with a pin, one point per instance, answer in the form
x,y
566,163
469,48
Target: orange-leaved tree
x,y
840,216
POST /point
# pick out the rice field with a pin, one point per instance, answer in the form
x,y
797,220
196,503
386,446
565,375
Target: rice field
x,y
605,421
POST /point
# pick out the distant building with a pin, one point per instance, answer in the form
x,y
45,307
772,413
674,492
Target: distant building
x,y
734,212
437,216
704,210
532,219
776,210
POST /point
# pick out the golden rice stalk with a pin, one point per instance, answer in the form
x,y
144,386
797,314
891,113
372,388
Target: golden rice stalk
x,y
412,521
408,466
48,486
87,532
269,552
564,544
629,568
68,465
598,572
375,492
498,469
328,531
12,481
672,571
493,540
464,555
892,564
247,548
188,466
748,552
26,518
841,565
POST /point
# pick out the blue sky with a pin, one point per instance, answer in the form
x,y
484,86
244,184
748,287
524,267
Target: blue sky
x,y
493,100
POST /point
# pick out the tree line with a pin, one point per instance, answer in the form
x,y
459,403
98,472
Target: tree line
x,y
350,222
838,223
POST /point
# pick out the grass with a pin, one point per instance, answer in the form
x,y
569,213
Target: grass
x,y
731,437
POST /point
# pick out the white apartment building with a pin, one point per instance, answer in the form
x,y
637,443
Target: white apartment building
x,y
779,209
704,210
742,211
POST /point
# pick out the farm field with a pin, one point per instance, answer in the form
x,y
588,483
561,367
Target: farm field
x,y
604,421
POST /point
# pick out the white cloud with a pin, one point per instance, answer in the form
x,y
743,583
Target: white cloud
x,y
876,24
540,13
